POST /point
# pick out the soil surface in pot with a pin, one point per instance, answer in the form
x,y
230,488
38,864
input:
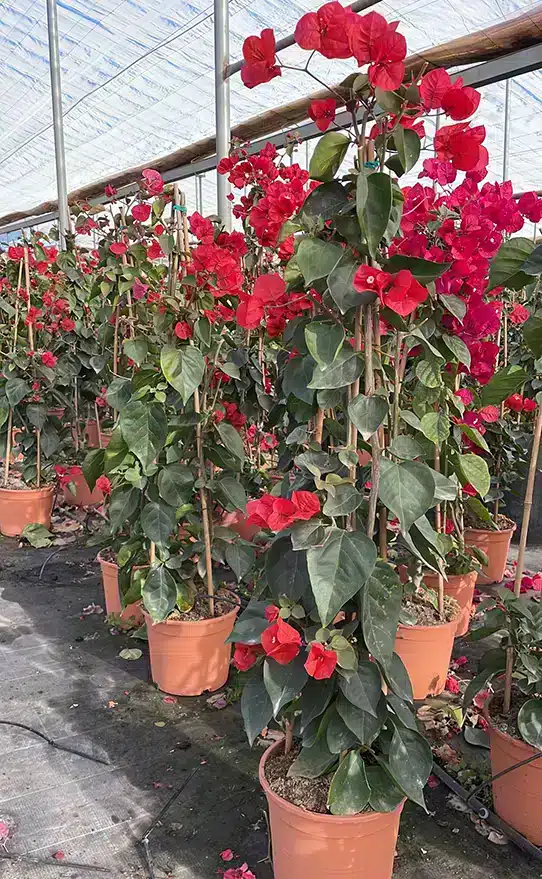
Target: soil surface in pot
x,y
108,555
307,793
427,615
507,723
502,522
15,483
223,605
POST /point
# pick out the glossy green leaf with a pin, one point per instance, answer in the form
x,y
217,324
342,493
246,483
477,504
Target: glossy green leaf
x,y
324,341
436,427
159,593
398,679
344,500
316,258
407,489
158,521
343,371
93,466
377,209
183,368
328,156
408,145
385,795
505,382
286,570
340,284
475,471
338,569
256,707
144,428
136,350
423,270
16,389
349,790
175,484
240,558
364,688
231,493
364,725
381,599
124,503
367,413
284,682
297,374
530,722
458,348
119,392
323,202
506,265
315,697
410,762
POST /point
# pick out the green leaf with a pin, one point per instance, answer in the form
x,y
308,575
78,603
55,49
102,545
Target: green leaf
x,y
136,350
323,202
284,682
232,494
240,558
530,722
338,736
324,341
385,795
362,191
306,534
338,569
297,374
256,707
328,156
175,484
315,760
428,372
476,684
364,725
158,521
454,305
115,452
407,489
475,471
144,429
124,503
410,762
506,268
119,393
506,381
349,790
315,698
474,435
377,210
250,624
364,688
423,270
286,570
37,414
458,348
232,440
346,369
16,389
316,258
406,447
532,333
93,466
398,680
340,284
436,427
345,499
381,599
37,535
183,368
404,711
159,593
367,413
408,146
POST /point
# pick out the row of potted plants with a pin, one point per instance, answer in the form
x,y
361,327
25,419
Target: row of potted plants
x,y
303,434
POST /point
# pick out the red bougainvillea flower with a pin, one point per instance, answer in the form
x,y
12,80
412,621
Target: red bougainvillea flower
x,y
259,54
530,205
234,416
323,113
67,324
465,395
469,490
139,290
141,212
227,855
267,289
489,414
321,662
529,405
103,484
452,684
110,191
245,656
461,145
325,31
183,330
258,511
519,314
404,294
514,402
271,612
49,359
438,92
118,248
306,503
281,642
15,252
154,251
241,872
481,698
483,360
152,181
376,42
368,278
277,513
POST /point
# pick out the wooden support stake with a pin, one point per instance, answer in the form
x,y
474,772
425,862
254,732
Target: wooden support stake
x,y
98,428
152,553
17,300
76,412
38,458
319,427
8,447
438,529
204,510
27,285
527,508
375,441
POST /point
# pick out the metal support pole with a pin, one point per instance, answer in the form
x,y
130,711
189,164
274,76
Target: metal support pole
x,y
506,133
56,100
199,192
222,105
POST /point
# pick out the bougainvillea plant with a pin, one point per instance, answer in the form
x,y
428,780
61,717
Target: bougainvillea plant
x,y
396,357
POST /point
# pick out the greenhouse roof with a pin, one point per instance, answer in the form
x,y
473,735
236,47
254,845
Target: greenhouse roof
x,y
138,82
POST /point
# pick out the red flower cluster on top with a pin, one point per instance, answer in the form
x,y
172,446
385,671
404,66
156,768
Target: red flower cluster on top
x,y
260,62
400,292
517,403
438,92
277,513
217,264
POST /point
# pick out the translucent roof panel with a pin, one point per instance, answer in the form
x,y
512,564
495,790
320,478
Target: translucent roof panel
x,y
137,79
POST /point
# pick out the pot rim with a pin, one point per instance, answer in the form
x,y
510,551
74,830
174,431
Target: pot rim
x,y
491,530
187,623
451,577
499,733
307,815
43,489
103,561
438,626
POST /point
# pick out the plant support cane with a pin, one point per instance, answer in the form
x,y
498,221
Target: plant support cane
x,y
527,508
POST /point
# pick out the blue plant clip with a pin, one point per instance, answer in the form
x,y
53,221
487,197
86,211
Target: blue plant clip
x,y
372,165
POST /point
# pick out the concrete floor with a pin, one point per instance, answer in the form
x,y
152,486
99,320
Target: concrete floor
x,y
59,683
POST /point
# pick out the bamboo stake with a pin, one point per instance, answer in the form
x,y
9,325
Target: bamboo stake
x,y
98,428
27,285
152,553
76,412
438,529
38,458
204,510
319,426
352,434
375,442
176,223
16,328
125,262
527,508
8,447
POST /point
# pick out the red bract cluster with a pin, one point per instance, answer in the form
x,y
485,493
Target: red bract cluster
x,y
217,263
517,403
439,93
270,302
400,292
277,513
281,642
260,62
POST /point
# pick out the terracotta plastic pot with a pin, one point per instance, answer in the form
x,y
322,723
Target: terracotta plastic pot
x,y
25,507
426,653
113,604
188,658
517,796
460,587
496,545
309,845
91,433
83,496
237,521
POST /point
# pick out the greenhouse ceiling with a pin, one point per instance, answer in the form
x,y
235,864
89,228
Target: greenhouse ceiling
x,y
138,82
